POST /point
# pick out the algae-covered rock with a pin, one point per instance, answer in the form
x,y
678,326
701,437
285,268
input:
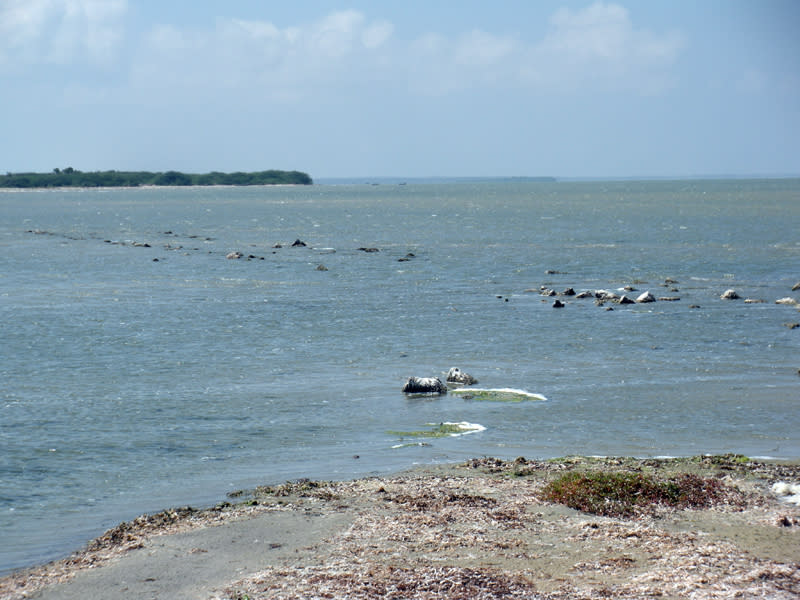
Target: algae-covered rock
x,y
441,430
499,395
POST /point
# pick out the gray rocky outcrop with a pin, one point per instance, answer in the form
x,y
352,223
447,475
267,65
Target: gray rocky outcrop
x,y
424,385
456,375
646,297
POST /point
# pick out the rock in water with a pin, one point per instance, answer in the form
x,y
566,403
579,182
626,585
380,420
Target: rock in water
x,y
456,375
424,385
646,297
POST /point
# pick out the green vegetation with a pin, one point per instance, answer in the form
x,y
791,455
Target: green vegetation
x,y
625,494
440,430
497,395
70,177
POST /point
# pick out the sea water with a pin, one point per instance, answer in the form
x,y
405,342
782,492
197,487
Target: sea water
x,y
140,368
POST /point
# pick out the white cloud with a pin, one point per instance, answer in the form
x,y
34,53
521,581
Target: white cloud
x,y
480,49
59,31
335,35
600,44
262,59
377,34
346,50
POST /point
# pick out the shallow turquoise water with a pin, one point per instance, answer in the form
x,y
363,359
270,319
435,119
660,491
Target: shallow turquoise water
x,y
131,384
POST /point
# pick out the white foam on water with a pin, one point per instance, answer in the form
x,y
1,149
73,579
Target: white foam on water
x,y
787,492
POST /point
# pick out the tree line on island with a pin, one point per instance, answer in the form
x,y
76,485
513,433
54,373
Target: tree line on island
x,y
70,177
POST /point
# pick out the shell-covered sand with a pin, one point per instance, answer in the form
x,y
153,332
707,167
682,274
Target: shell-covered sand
x,y
476,530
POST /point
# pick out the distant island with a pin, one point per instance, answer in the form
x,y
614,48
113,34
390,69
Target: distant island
x,y
70,177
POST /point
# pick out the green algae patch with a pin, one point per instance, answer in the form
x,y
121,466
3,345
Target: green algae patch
x,y
498,395
440,430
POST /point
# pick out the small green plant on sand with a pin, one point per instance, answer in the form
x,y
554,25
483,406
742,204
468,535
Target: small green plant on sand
x,y
626,494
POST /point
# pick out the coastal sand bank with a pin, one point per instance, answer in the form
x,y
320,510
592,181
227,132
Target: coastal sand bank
x,y
474,530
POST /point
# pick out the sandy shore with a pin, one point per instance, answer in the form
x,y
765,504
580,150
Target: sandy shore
x,y
475,530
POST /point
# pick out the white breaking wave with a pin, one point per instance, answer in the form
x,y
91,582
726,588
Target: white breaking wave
x,y
787,492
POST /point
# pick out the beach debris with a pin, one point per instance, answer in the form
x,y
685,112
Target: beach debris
x,y
424,385
456,375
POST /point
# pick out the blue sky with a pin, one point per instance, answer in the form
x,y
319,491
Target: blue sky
x,y
402,88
